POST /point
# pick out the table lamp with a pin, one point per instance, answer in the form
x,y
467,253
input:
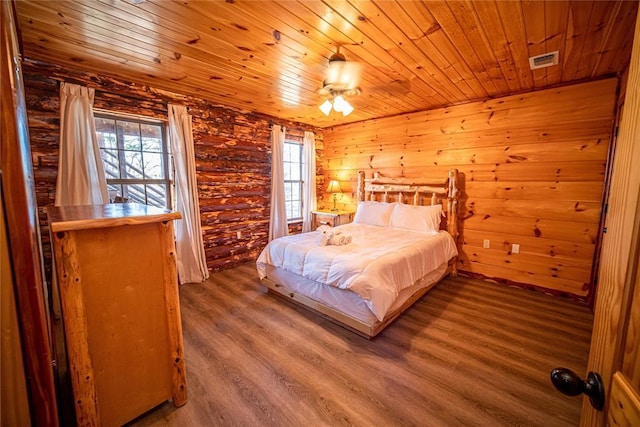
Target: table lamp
x,y
334,187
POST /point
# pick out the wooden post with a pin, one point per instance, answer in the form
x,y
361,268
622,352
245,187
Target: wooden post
x,y
76,333
361,194
179,380
452,216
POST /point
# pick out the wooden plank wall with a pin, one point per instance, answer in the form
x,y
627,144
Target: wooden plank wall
x,y
532,171
233,155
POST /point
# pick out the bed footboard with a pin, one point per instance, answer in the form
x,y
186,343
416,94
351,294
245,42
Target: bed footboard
x,y
355,325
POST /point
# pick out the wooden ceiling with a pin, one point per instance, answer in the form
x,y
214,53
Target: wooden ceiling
x,y
271,56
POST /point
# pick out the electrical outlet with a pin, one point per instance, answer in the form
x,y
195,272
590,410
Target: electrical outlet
x,y
238,235
486,244
515,248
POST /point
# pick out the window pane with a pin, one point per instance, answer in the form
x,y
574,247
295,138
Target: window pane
x,y
147,194
134,164
151,138
106,132
153,167
130,134
135,193
115,192
295,191
290,210
296,209
286,154
157,195
107,140
295,172
287,171
111,163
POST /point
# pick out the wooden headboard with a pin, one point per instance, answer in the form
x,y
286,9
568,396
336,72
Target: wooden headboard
x,y
415,190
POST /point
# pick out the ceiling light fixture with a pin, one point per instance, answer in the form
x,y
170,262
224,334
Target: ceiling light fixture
x,y
339,84
338,104
326,107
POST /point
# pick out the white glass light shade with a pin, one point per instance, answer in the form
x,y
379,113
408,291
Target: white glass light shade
x,y
346,108
339,103
326,107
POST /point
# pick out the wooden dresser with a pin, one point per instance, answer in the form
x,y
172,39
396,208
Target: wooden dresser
x,y
331,218
116,270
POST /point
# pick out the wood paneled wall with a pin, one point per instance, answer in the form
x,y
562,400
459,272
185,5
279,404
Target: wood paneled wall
x,y
233,155
532,167
532,172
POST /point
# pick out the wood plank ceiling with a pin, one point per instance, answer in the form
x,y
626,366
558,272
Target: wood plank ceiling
x,y
272,56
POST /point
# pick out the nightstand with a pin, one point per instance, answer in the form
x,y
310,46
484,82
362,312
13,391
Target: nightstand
x,y
331,218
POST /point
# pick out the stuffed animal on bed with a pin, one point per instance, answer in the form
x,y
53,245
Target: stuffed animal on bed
x,y
339,239
329,236
325,234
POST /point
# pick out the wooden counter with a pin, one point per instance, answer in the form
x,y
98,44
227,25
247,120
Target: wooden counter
x,y
118,283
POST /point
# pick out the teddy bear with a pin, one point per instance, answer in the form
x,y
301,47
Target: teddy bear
x,y
325,233
330,236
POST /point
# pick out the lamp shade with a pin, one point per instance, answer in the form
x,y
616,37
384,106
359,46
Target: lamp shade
x,y
346,108
339,103
334,187
326,107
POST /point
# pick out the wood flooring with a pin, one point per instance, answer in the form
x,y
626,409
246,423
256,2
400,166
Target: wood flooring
x,y
469,353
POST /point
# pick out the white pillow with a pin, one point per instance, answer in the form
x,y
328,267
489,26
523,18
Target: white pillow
x,y
417,218
374,213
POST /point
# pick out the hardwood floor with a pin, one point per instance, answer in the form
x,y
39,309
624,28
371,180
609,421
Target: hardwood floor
x,y
468,353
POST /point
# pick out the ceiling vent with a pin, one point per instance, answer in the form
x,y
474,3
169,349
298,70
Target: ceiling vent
x,y
544,60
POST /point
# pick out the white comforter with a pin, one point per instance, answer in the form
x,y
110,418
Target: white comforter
x,y
377,265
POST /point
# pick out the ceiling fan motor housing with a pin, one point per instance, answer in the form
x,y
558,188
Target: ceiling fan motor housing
x,y
342,77
337,57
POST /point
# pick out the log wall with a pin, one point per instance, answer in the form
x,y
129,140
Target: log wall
x,y
233,156
532,172
532,169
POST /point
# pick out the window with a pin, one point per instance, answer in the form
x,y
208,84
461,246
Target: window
x,y
136,160
293,182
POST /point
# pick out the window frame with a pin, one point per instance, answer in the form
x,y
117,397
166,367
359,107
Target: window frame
x,y
167,158
300,181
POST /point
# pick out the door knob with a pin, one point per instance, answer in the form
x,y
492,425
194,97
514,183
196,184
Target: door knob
x,y
569,383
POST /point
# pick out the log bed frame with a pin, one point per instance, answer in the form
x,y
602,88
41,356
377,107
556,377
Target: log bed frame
x,y
389,189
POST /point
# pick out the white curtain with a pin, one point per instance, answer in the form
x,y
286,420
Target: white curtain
x,y
191,259
81,179
278,223
309,177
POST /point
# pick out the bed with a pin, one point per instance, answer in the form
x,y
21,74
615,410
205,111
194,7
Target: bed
x,y
401,243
